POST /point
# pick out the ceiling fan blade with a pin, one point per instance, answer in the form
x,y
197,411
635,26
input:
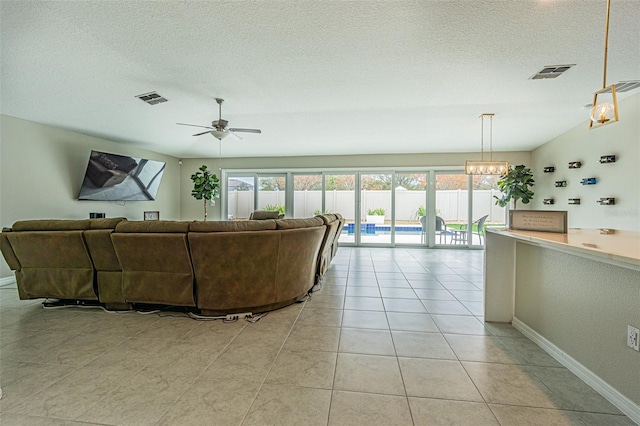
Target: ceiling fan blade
x,y
237,136
246,130
203,133
195,125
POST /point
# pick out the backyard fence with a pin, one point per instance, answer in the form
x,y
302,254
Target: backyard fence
x,y
451,205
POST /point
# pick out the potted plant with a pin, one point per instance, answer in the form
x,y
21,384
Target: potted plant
x,y
420,211
376,215
275,208
206,186
515,186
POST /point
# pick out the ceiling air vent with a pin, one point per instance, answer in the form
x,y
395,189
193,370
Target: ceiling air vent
x,y
625,86
151,98
551,71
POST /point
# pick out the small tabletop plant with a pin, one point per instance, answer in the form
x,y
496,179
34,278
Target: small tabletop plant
x,y
515,186
206,186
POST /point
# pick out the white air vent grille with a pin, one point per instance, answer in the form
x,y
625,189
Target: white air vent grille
x,y
152,98
551,71
625,86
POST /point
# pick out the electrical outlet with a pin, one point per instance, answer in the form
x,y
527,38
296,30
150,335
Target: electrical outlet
x,y
633,338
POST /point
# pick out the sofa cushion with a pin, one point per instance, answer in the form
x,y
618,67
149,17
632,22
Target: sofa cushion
x,y
299,223
232,226
51,225
53,264
153,226
264,214
328,218
106,223
101,249
156,267
7,250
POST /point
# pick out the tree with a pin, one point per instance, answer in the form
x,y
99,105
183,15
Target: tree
x,y
515,186
206,186
307,183
451,181
340,183
272,183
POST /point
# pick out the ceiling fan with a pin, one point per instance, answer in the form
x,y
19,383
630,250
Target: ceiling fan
x,y
220,129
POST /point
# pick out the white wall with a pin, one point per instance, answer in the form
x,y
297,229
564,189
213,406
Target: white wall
x,y
620,179
42,168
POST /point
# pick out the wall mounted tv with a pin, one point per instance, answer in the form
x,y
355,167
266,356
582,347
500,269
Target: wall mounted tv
x,y
111,177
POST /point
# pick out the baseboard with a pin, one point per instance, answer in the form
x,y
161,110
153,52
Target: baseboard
x,y
621,402
7,281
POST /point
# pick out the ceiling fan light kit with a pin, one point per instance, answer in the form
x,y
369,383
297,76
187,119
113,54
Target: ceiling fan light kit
x,y
219,128
604,109
482,167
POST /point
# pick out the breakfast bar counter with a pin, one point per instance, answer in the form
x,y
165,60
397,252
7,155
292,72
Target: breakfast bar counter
x,y
573,294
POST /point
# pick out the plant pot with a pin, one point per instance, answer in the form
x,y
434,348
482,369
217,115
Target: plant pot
x,y
375,219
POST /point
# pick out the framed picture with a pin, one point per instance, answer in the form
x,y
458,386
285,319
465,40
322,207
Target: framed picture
x,y
151,215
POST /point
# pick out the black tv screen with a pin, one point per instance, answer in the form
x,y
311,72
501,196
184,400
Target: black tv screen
x,y
111,177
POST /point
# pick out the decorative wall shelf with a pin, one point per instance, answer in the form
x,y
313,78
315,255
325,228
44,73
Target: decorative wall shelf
x,y
575,165
606,201
574,201
560,183
589,181
549,169
548,201
607,159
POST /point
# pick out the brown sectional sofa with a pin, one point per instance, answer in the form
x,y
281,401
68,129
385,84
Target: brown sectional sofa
x,y
212,267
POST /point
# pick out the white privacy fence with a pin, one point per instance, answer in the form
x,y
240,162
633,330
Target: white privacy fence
x,y
451,205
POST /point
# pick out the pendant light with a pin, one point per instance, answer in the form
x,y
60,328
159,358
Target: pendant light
x,y
482,167
604,109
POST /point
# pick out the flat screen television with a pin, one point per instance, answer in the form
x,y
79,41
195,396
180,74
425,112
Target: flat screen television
x,y
111,177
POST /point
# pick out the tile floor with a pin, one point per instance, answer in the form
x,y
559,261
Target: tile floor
x,y
395,337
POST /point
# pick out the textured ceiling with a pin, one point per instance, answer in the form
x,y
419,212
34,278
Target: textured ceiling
x,y
318,77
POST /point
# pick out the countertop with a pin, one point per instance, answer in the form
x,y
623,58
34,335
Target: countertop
x,y
612,244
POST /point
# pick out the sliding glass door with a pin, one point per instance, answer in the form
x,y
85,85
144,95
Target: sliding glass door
x,y
339,197
376,212
411,207
452,208
240,196
307,195
272,192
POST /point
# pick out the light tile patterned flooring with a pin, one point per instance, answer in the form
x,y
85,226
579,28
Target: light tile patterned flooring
x,y
395,337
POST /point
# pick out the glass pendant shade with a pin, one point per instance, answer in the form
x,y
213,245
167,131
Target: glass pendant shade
x,y
220,134
478,167
604,109
482,167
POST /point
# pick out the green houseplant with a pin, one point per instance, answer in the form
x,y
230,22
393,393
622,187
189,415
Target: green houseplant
x,y
275,207
376,212
515,185
206,186
420,211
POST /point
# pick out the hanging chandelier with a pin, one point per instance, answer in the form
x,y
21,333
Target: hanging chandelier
x,y
482,167
604,109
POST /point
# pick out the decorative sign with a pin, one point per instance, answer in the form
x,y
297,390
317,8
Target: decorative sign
x,y
538,220
152,215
